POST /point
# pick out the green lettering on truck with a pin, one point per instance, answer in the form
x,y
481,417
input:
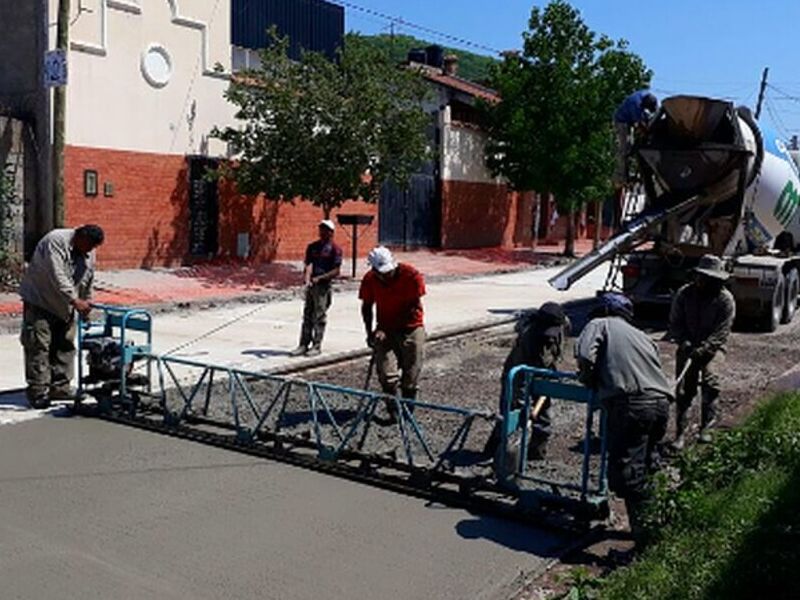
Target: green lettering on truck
x,y
787,204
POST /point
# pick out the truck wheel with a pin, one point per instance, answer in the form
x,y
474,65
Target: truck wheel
x,y
772,316
792,291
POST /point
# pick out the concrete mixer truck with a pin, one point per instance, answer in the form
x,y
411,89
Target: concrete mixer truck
x,y
711,181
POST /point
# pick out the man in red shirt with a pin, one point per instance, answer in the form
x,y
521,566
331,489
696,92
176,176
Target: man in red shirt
x,y
396,289
323,261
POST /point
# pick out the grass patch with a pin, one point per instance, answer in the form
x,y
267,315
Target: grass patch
x,y
732,528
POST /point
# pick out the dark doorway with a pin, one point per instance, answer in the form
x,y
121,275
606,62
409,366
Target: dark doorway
x,y
203,208
410,217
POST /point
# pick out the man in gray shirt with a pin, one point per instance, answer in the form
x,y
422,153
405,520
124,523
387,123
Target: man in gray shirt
x,y
622,364
57,282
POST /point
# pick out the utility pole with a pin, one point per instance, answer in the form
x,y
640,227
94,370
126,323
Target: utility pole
x,y
762,91
60,119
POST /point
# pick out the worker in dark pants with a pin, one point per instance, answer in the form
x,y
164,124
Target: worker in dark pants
x,y
700,322
398,339
622,365
539,343
57,284
322,265
630,118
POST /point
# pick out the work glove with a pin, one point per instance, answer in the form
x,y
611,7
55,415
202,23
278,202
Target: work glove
x,y
701,354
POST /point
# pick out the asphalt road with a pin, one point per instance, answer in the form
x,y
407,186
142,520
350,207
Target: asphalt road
x,y
96,510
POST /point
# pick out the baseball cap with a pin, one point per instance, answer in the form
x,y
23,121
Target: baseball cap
x,y
613,303
327,223
380,258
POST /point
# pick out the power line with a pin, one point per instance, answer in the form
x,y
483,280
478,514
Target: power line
x,y
408,24
776,120
784,95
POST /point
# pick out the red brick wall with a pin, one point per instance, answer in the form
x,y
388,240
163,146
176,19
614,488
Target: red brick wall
x,y
476,215
147,219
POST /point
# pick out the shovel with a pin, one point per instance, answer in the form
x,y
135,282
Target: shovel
x,y
682,376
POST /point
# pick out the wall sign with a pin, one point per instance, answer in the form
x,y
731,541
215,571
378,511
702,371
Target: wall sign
x,y
55,68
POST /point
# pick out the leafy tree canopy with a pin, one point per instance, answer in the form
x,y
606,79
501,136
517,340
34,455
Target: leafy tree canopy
x,y
325,131
552,132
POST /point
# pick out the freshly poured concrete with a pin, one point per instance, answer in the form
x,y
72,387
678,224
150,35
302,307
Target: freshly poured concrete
x,y
95,510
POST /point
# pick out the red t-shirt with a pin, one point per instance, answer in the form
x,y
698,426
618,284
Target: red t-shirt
x,y
398,300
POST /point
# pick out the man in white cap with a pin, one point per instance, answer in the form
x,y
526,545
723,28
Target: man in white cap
x,y
700,322
323,262
396,289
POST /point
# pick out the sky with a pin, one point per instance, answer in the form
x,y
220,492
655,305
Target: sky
x,y
715,48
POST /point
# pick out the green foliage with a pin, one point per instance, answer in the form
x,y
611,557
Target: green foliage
x,y
732,528
10,264
313,128
552,132
471,66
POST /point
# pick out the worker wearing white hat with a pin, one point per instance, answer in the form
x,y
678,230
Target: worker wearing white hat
x,y
398,338
323,262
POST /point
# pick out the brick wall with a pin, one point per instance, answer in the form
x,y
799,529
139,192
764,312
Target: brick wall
x,y
476,215
147,219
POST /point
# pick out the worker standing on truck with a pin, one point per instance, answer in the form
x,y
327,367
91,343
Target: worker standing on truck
x,y
540,343
398,339
322,265
622,365
700,322
57,283
631,117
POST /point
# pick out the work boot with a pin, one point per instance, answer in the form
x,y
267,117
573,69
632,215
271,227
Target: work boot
x,y
38,400
299,351
681,423
314,351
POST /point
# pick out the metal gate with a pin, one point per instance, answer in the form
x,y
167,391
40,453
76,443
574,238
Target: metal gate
x,y
411,216
203,208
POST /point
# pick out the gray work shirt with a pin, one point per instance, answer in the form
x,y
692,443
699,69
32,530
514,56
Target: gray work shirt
x,y
702,320
618,360
57,274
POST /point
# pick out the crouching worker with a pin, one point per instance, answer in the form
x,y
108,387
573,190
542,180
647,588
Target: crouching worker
x,y
539,343
57,283
622,365
398,339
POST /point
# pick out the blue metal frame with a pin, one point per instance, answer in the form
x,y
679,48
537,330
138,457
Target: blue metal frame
x,y
317,396
339,439
117,322
556,385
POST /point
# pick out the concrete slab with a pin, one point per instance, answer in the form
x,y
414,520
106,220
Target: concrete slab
x,y
95,510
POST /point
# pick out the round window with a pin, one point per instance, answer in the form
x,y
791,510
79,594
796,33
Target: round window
x,y
156,65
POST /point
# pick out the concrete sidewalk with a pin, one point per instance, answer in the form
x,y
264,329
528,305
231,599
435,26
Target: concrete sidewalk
x,y
258,336
209,283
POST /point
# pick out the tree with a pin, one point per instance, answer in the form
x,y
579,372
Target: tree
x,y
325,131
552,130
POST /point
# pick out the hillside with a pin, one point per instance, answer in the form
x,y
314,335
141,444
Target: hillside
x,y
474,67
